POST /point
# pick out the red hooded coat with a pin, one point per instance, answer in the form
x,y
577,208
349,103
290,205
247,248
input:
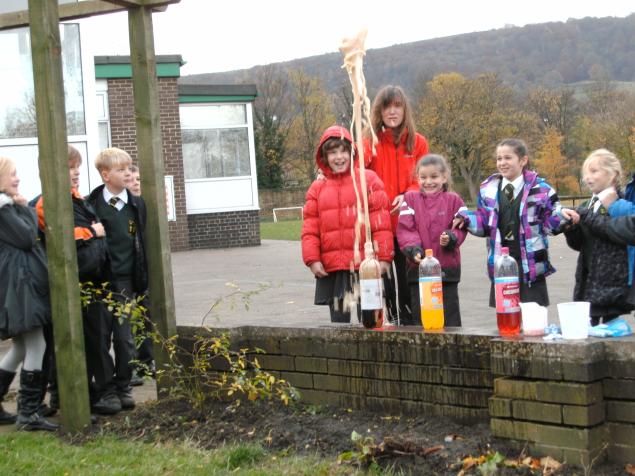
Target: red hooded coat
x,y
394,164
330,213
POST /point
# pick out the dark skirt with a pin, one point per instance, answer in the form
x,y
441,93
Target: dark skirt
x,y
334,286
336,290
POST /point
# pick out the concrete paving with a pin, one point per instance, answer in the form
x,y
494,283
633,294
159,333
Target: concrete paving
x,y
204,278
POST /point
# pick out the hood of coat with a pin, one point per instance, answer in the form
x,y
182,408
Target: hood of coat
x,y
5,200
333,131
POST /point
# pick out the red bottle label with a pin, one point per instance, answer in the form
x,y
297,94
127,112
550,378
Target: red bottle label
x,y
507,295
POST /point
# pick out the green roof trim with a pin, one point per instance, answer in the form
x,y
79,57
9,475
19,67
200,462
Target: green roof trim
x,y
201,99
111,71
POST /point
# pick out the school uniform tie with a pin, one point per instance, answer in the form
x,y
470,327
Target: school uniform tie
x,y
509,192
113,202
592,203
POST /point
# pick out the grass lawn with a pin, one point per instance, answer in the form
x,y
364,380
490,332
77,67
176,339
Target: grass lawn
x,y
282,230
45,454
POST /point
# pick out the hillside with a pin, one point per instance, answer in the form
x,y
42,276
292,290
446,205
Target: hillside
x,y
548,53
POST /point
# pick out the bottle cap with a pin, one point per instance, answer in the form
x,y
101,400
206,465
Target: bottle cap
x,y
429,253
505,250
368,250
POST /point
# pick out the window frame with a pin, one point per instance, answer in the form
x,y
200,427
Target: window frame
x,y
253,186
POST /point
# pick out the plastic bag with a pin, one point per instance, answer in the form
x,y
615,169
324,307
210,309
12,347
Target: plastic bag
x,y
614,328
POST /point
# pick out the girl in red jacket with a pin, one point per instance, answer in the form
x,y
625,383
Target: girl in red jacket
x,y
328,230
393,159
425,221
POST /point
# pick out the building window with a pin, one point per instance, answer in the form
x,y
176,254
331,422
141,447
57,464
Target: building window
x,y
17,101
215,141
103,115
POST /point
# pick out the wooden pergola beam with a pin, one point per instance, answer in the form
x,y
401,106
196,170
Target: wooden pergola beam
x,y
145,89
46,51
73,11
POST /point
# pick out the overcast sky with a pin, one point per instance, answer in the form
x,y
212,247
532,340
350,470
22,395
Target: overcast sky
x,y
214,36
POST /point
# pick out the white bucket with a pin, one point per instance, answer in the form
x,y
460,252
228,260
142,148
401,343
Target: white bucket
x,y
534,318
574,319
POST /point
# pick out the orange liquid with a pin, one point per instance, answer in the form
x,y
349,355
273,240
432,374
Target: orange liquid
x,y
432,320
508,323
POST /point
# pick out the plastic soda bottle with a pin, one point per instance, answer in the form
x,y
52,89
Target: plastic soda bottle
x,y
431,292
507,290
370,285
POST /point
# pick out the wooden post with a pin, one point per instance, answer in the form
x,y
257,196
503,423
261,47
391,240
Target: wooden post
x,y
60,246
146,102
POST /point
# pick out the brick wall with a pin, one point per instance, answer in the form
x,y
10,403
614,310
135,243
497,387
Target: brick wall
x,y
123,135
572,400
224,230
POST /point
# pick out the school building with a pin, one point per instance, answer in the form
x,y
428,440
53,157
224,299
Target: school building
x,y
207,136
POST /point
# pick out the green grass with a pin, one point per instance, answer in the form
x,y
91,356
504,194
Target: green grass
x,y
282,230
45,454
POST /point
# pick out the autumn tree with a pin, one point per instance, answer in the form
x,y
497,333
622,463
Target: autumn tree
x,y
607,121
314,113
551,163
557,110
464,118
273,117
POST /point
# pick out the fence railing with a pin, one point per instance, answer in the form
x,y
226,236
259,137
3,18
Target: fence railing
x,y
565,199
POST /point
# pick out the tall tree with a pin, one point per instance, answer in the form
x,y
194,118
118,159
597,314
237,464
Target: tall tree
x,y
464,119
551,163
314,114
557,110
273,117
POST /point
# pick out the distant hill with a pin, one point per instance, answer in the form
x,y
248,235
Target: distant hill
x,y
548,53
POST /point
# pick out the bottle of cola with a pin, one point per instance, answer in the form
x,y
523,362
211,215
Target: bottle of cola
x,y
371,291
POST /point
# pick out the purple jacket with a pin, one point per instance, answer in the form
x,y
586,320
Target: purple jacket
x,y
540,214
422,219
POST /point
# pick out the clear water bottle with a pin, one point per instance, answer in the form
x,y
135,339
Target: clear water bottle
x,y
371,290
431,292
507,290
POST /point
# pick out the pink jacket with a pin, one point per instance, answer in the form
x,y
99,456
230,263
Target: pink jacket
x,y
422,219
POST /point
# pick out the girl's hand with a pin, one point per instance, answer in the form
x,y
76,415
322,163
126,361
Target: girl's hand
x,y
19,200
417,258
444,239
608,196
318,269
396,204
98,228
570,215
385,266
458,222
320,175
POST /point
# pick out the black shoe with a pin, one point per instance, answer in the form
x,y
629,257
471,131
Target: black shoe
x,y
136,380
6,378
46,410
35,422
108,404
127,402
29,399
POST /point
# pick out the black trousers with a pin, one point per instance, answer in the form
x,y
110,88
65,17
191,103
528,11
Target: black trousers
x,y
122,340
398,282
97,339
145,354
451,308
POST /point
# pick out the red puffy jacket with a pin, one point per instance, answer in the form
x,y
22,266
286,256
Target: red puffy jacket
x,y
394,164
330,214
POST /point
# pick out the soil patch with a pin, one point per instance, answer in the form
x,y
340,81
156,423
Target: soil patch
x,y
431,445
